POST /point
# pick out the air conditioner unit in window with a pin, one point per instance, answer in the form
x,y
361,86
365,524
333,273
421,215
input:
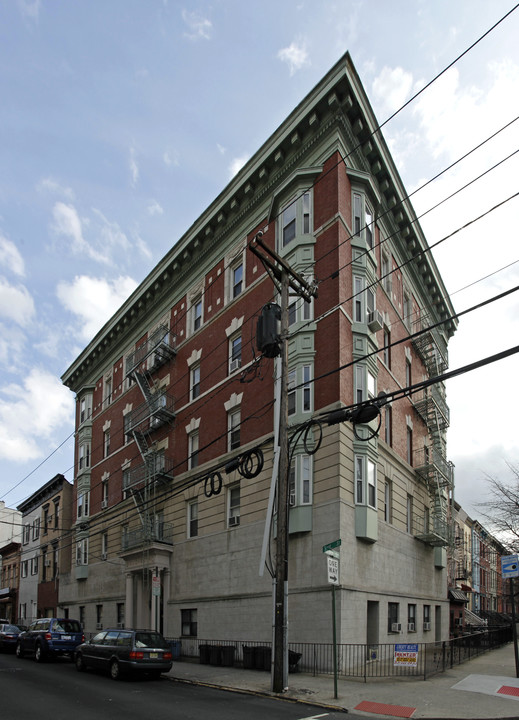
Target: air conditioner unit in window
x,y
99,626
120,626
396,627
292,499
233,521
104,504
235,365
410,627
427,626
375,321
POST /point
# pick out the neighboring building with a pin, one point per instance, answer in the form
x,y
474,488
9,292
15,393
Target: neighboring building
x,y
10,525
9,577
164,535
46,548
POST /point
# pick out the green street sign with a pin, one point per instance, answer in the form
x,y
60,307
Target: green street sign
x,y
332,545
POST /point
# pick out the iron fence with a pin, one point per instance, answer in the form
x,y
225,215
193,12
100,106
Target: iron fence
x,y
359,661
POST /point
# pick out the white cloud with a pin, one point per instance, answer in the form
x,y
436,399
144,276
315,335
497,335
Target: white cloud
x,y
68,224
10,257
237,164
155,208
30,415
295,55
110,234
30,9
53,186
199,27
392,87
16,303
143,247
134,168
94,300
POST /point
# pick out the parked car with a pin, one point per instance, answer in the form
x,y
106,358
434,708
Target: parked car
x,y
125,651
8,636
50,637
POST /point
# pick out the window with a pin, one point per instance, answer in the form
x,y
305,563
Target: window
x,y
195,382
409,514
237,279
388,500
104,494
35,561
300,390
189,623
299,310
120,614
196,310
99,617
362,219
291,388
386,273
56,513
360,383
392,617
45,563
234,353
107,391
407,309
26,533
83,504
365,481
46,515
25,568
233,495
82,552
84,456
408,376
104,546
372,385
85,408
82,410
307,389
388,425
296,219
387,347
234,423
106,443
426,617
36,529
409,445
411,617
359,312
192,519
300,480
82,615
193,442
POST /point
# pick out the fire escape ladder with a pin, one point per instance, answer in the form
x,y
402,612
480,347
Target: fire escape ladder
x,y
142,444
145,383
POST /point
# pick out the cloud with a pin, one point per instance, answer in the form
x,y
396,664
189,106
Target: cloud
x,y
170,157
30,9
295,55
66,223
142,247
94,300
16,303
199,27
237,164
392,87
53,186
154,208
134,168
110,234
10,257
31,413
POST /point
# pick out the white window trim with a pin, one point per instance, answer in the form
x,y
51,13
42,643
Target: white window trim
x,y
231,426
233,511
365,470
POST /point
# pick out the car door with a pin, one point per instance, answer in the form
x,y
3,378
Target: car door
x,y
92,650
29,639
109,647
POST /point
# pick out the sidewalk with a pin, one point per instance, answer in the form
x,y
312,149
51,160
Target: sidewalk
x,y
483,688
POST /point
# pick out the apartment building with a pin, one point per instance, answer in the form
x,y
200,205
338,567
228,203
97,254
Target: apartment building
x,y
176,420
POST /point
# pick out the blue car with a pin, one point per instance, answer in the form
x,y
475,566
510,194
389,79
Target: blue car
x,y
50,637
9,636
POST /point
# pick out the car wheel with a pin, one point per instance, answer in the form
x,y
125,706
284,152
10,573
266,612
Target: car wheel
x,y
39,655
19,650
80,663
115,670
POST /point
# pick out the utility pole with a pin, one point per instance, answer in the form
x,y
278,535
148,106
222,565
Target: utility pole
x,y
284,277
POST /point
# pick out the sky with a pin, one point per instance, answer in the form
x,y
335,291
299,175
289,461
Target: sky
x,y
122,120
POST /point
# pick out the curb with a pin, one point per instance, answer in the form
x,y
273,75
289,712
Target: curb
x,y
260,693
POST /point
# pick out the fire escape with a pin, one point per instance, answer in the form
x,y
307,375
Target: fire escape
x,y
147,481
430,462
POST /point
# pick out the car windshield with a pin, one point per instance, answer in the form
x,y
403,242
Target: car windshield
x,y
150,640
67,626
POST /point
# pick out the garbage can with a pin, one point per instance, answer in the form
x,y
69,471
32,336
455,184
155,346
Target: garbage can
x,y
293,659
215,655
248,657
228,655
262,657
176,647
204,654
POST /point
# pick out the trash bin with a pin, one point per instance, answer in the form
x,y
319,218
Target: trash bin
x,y
176,646
293,659
248,657
228,655
262,656
215,655
204,654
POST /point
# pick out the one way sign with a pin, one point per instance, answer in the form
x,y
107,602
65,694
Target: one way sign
x,y
510,566
333,570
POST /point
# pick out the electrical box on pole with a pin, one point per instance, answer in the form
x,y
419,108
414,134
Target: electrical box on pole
x,y
268,331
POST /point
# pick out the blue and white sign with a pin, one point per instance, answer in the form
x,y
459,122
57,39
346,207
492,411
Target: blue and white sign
x,y
510,566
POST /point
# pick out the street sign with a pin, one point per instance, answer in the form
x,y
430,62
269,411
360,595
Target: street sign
x,y
510,566
333,553
333,570
332,545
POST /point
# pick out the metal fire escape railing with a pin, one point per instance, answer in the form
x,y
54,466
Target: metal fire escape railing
x,y
431,346
141,482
